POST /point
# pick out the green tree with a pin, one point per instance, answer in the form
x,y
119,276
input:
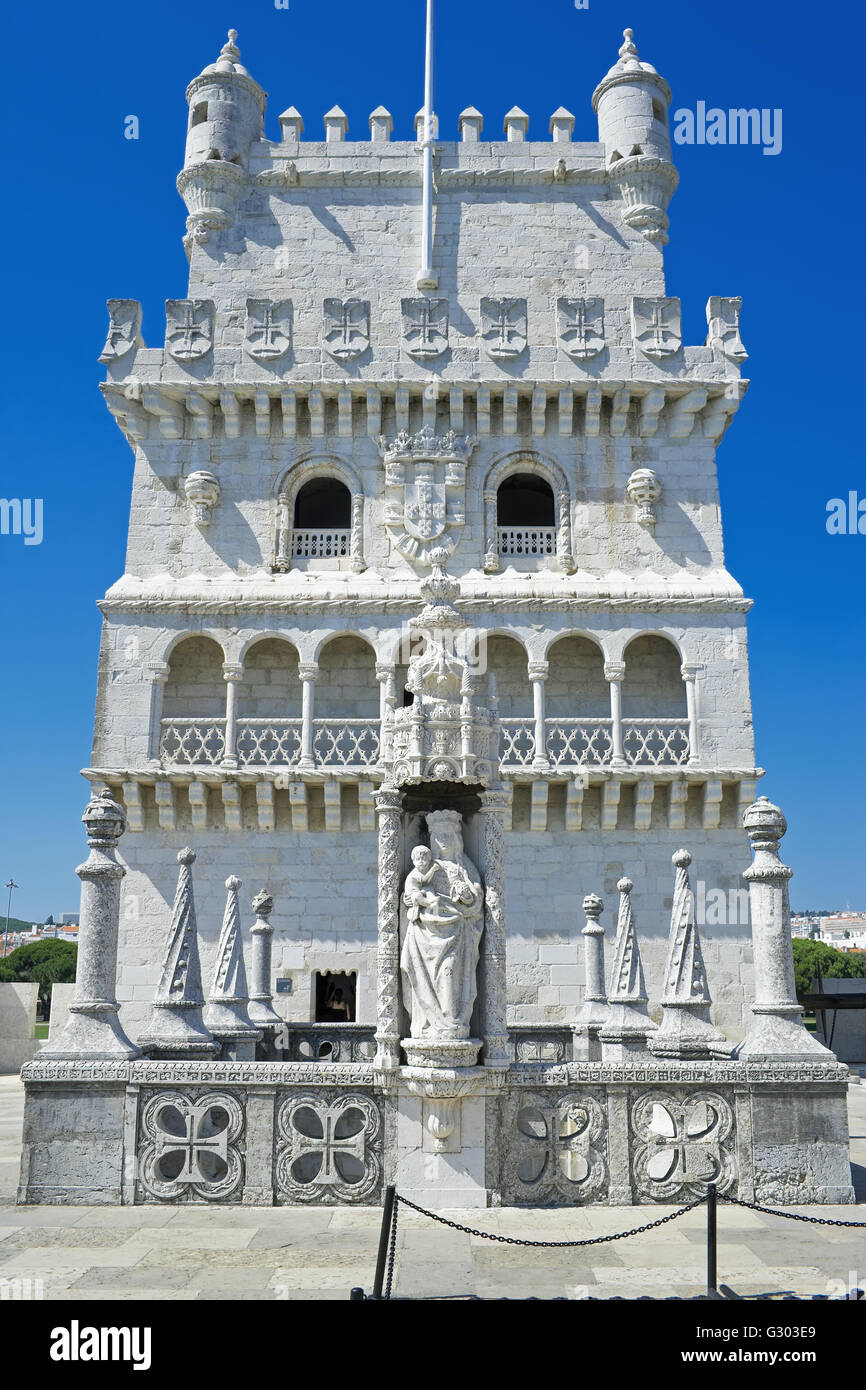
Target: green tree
x,y
838,965
45,963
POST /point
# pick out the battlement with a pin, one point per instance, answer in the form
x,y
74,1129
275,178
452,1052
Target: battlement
x,y
227,154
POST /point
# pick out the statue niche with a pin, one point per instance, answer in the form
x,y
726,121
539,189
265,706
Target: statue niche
x,y
442,920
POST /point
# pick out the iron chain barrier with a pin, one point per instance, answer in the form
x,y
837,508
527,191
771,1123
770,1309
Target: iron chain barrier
x,y
384,1277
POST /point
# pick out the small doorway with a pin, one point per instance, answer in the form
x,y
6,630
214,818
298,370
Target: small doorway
x,y
335,996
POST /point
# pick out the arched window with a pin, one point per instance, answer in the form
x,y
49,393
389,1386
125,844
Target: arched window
x,y
347,687
269,705
656,729
653,686
320,517
527,514
195,688
576,687
270,686
322,528
525,500
193,724
323,504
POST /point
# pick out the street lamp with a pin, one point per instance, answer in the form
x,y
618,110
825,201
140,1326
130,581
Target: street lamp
x,y
10,885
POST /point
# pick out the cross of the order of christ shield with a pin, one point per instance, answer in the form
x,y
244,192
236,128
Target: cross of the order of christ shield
x,y
424,509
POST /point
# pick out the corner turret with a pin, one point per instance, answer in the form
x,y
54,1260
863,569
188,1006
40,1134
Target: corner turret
x,y
632,103
226,117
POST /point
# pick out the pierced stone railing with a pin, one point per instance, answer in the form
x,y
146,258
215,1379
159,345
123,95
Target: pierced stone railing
x,y
322,545
329,1042
195,742
354,743
527,540
517,742
656,742
578,742
346,742
542,1042
269,742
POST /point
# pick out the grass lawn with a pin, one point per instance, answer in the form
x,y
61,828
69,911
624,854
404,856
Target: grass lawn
x,y
41,1030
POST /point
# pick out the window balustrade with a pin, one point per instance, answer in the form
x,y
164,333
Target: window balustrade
x,y
527,540
333,544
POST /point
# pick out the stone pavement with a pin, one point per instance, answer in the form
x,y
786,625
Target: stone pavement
x,y
86,1253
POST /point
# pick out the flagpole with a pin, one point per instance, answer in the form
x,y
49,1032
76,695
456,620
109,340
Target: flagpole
x,y
427,279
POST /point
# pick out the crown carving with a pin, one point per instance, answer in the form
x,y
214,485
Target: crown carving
x,y
427,444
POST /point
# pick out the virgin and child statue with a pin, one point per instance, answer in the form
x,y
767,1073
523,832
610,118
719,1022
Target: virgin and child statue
x,y
442,926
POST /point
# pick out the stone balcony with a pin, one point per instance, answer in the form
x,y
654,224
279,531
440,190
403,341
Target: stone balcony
x,y
354,744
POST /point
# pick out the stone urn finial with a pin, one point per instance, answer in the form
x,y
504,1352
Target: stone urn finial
x,y
764,823
104,820
629,48
263,904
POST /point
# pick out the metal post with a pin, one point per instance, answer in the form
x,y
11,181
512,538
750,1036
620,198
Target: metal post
x,y
357,1295
427,279
384,1237
712,1242
10,885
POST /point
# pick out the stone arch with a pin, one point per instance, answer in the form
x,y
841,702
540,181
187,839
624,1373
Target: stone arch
x,y
174,639
322,502
534,464
653,687
290,484
525,499
270,686
195,686
576,687
347,687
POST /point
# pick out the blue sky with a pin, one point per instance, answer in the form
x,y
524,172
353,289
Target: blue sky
x,y
92,215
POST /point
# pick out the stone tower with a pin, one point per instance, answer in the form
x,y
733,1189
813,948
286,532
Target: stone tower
x,y
316,427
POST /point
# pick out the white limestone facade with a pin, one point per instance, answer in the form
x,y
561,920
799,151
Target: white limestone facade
x,y
315,425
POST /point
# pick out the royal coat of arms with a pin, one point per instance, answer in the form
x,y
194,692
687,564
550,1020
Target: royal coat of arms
x,y
425,490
